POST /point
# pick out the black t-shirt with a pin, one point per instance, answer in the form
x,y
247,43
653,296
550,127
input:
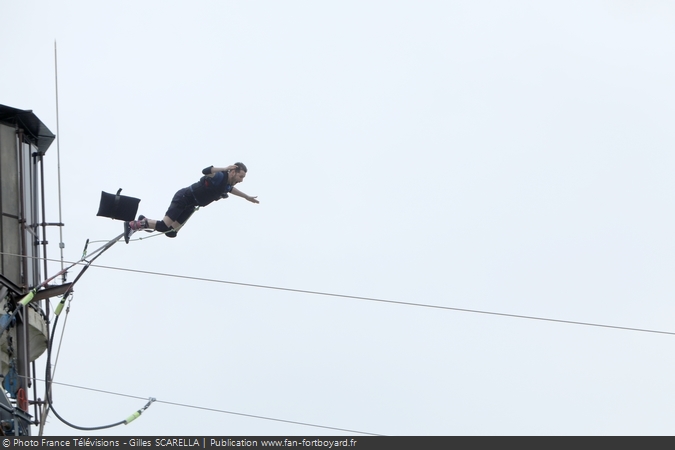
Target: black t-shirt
x,y
210,189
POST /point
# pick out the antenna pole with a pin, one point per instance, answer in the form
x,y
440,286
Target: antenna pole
x,y
58,158
45,404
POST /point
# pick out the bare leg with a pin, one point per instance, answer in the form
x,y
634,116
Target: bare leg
x,y
167,221
172,223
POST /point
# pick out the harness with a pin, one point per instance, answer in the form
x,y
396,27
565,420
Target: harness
x,y
210,189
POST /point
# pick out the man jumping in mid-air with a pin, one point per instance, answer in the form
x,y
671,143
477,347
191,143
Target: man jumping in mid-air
x,y
214,185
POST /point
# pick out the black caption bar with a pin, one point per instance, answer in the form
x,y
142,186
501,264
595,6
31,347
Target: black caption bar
x,y
189,442
340,443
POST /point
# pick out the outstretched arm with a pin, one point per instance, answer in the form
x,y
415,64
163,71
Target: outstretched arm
x,y
238,193
215,170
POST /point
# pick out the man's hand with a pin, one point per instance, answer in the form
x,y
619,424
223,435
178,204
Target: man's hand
x,y
215,170
238,193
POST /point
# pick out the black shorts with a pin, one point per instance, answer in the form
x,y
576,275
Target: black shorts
x,y
182,206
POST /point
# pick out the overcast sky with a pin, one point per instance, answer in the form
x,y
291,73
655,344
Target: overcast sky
x,y
506,157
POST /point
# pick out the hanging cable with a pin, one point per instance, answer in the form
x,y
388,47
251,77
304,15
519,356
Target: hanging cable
x,y
393,302
63,331
57,312
380,300
48,381
8,319
221,411
126,421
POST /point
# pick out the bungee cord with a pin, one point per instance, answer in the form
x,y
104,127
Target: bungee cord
x,y
155,233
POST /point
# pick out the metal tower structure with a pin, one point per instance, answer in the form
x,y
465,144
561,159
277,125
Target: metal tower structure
x,y
24,140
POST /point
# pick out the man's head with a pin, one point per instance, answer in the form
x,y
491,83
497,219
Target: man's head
x,y
237,175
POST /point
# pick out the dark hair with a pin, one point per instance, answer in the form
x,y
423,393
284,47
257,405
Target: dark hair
x,y
240,166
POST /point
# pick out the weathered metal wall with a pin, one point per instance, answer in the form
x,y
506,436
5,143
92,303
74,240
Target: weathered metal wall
x,y
10,228
23,141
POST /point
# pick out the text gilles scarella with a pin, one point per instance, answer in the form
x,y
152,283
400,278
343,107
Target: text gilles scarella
x,y
175,442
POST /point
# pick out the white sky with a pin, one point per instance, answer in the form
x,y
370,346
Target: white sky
x,y
512,157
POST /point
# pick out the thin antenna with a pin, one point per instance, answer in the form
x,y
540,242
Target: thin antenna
x,y
58,158
48,388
